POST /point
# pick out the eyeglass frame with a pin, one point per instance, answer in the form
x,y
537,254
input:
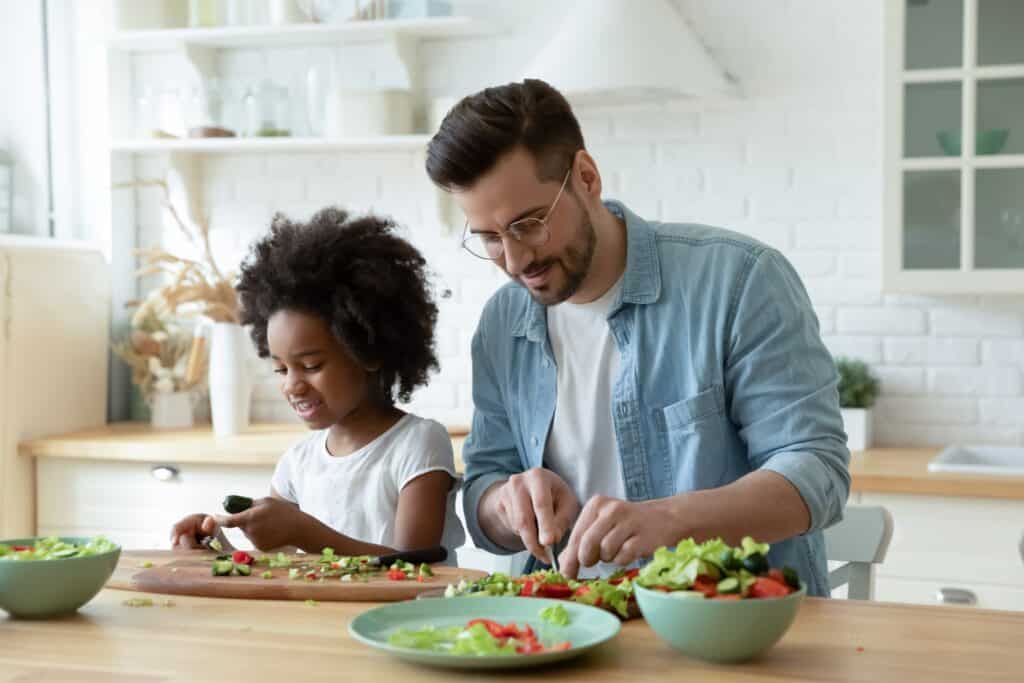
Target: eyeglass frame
x,y
542,222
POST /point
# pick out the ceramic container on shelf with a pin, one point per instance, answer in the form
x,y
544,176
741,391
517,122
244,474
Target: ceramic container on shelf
x,y
286,12
172,410
230,383
366,113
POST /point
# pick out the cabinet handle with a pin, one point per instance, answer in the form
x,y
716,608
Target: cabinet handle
x,y
164,472
1020,547
956,596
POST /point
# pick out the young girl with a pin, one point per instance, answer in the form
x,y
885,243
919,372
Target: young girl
x,y
341,307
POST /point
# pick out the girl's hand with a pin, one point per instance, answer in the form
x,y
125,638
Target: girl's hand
x,y
187,534
270,523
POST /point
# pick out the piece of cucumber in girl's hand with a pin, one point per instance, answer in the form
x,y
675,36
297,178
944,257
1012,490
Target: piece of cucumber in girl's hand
x,y
235,504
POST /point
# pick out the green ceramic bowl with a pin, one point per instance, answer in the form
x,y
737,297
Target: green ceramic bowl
x,y
721,631
588,628
36,589
989,141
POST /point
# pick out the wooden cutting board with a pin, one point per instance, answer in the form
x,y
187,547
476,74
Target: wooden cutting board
x,y
188,573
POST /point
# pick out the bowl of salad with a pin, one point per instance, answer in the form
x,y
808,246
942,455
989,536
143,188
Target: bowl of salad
x,y
47,577
715,602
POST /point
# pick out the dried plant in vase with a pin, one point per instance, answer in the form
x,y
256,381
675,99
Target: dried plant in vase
x,y
195,287
164,357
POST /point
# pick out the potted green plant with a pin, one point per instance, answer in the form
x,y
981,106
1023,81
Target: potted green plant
x,y
858,389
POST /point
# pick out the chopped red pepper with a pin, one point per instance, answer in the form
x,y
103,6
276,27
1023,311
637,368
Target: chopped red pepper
x,y
527,589
768,588
630,574
241,557
706,585
21,548
493,627
396,575
553,590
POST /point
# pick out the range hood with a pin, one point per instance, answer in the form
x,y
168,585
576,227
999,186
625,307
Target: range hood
x,y
629,51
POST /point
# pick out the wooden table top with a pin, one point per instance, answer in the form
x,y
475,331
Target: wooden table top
x,y
206,639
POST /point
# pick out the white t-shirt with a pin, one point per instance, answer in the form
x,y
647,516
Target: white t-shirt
x,y
357,494
581,447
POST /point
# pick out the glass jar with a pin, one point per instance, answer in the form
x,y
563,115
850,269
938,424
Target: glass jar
x,y
204,113
267,110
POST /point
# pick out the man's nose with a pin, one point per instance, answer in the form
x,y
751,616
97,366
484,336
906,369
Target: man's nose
x,y
517,256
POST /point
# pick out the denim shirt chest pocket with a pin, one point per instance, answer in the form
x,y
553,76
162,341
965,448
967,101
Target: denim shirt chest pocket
x,y
691,434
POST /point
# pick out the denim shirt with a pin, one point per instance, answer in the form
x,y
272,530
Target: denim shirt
x,y
722,372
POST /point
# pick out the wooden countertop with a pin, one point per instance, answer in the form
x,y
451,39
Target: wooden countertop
x,y
261,444
879,470
204,639
905,470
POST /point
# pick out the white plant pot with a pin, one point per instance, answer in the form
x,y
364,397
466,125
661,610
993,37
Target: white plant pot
x,y
171,410
857,423
230,382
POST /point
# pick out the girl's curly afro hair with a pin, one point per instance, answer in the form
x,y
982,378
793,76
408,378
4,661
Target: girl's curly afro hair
x,y
368,284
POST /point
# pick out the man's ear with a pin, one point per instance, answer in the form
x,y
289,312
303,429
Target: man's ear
x,y
588,175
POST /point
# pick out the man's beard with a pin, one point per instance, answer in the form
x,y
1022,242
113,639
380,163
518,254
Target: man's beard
x,y
575,261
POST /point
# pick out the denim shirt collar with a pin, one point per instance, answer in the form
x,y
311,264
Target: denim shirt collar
x,y
641,283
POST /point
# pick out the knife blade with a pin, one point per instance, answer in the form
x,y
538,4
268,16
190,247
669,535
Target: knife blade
x,y
552,558
423,555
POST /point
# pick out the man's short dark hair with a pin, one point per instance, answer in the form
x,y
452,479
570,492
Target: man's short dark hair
x,y
482,128
365,282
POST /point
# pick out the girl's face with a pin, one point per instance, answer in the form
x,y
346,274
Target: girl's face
x,y
323,383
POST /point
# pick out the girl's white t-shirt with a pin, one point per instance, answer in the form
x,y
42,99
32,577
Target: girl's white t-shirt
x,y
357,494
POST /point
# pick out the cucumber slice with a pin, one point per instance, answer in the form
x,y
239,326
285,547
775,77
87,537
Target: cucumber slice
x,y
756,564
791,577
243,569
730,584
222,567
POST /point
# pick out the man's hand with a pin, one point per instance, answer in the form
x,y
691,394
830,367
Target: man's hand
x,y
618,531
270,523
537,506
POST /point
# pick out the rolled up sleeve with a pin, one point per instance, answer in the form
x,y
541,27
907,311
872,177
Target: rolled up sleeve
x,y
489,451
782,382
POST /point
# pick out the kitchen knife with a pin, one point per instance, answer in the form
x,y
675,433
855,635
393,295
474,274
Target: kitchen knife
x,y
427,555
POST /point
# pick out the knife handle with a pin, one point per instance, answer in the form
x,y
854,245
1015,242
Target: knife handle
x,y
427,555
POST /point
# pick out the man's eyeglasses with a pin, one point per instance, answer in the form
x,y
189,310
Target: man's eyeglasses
x,y
533,232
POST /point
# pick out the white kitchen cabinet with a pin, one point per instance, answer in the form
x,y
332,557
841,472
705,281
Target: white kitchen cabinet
x,y
954,213
965,544
127,503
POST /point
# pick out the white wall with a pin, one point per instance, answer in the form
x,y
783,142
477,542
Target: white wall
x,y
796,163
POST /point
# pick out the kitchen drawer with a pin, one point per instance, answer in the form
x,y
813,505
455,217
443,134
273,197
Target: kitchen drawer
x,y
920,592
123,500
958,540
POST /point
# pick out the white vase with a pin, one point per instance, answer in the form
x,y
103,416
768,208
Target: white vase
x,y
171,410
230,383
857,423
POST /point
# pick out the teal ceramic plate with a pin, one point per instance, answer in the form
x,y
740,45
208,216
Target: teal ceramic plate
x,y
588,627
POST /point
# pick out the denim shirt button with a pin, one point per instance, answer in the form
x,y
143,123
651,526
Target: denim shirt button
x,y
536,441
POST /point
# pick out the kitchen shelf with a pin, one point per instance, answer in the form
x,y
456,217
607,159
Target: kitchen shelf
x,y
270,144
295,35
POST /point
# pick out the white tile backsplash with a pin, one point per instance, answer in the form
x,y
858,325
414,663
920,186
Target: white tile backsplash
x,y
796,163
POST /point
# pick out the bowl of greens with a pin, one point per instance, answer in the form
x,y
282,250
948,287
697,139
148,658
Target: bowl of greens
x,y
718,603
47,577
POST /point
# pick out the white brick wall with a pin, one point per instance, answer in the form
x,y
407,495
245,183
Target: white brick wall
x,y
796,163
